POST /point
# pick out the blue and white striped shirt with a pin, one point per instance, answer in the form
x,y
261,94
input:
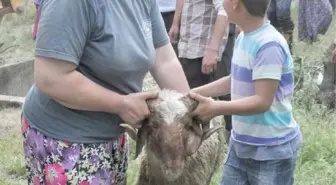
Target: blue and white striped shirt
x,y
263,54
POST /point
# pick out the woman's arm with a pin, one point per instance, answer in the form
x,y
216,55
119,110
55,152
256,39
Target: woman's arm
x,y
167,70
59,48
60,80
219,87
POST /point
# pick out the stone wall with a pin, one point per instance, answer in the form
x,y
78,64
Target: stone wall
x,y
16,79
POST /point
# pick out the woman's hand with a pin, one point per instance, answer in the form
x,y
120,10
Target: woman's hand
x,y
134,107
206,108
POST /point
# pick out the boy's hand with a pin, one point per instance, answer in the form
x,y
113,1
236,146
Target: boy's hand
x,y
206,106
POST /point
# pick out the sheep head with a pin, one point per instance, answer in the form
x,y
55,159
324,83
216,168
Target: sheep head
x,y
170,133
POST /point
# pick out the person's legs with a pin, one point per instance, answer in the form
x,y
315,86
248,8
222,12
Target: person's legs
x,y
271,172
50,161
168,18
284,18
271,14
234,171
192,69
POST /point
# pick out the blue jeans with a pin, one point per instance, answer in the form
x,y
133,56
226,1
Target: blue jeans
x,y
238,171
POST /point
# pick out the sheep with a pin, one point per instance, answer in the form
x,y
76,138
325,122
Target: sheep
x,y
176,148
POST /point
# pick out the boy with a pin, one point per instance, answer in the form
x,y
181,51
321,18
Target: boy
x,y
265,138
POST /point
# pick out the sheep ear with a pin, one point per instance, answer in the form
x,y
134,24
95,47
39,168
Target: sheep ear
x,y
189,102
193,138
141,138
152,103
192,142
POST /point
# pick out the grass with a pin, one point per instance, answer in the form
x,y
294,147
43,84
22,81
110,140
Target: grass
x,y
317,161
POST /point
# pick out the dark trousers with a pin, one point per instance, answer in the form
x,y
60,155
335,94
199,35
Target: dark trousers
x,y
168,18
224,69
192,69
279,14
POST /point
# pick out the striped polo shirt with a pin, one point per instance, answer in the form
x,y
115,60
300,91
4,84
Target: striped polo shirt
x,y
276,125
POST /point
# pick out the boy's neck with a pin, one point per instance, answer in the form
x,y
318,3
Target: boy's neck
x,y
249,24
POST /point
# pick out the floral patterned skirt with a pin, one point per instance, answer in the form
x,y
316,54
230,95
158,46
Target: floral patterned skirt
x,y
54,162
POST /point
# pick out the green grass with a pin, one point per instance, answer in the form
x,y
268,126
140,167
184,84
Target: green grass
x,y
317,161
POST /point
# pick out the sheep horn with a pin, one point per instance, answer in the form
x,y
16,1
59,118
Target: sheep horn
x,y
130,130
207,133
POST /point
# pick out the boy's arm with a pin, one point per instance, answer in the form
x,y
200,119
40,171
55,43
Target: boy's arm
x,y
219,87
259,103
267,72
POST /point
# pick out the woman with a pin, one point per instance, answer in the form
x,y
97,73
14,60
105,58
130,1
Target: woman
x,y
91,59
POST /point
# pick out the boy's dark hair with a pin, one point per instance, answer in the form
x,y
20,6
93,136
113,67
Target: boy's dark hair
x,y
256,8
